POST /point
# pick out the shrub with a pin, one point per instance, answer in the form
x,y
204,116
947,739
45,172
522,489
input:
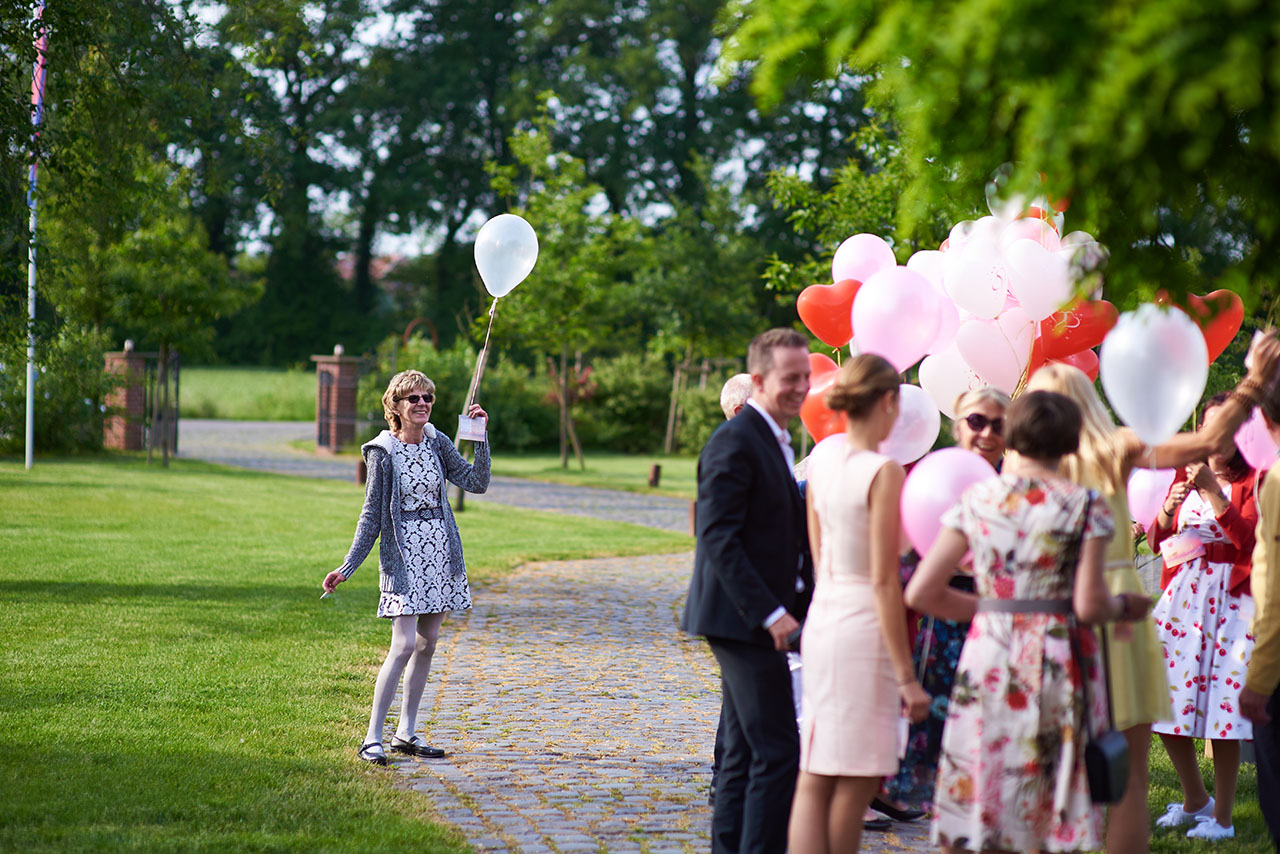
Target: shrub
x,y
71,386
520,418
628,409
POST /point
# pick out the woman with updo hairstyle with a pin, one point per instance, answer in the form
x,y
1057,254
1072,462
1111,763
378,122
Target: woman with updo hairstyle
x,y
857,668
422,576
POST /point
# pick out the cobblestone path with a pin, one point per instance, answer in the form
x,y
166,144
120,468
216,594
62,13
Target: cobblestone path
x,y
264,446
578,717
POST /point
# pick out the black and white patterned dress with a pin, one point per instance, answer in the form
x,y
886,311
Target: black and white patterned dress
x,y
433,587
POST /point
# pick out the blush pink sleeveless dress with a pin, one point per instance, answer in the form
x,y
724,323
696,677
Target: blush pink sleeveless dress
x,y
850,707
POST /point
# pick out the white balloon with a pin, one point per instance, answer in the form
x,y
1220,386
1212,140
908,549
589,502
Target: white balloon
x,y
976,279
945,376
860,257
506,250
1032,228
1038,278
1154,364
917,426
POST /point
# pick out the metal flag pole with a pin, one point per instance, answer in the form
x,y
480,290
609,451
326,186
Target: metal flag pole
x,y
37,114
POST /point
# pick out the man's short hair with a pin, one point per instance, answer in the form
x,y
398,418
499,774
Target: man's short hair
x,y
760,352
735,393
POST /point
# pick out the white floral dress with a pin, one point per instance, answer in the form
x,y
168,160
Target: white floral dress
x,y
433,588
1011,775
1205,633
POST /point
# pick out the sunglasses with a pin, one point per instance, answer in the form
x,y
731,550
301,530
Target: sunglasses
x,y
425,398
977,423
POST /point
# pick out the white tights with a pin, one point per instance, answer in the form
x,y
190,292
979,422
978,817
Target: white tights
x,y
413,642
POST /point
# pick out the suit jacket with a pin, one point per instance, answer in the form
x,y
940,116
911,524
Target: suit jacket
x,y
750,525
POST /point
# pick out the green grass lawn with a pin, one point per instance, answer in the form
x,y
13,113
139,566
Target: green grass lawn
x,y
171,680
248,394
628,472
1251,832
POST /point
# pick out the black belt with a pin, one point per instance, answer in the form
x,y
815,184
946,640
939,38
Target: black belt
x,y
423,513
1024,606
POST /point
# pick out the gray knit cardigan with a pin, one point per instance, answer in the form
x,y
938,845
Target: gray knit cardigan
x,y
381,511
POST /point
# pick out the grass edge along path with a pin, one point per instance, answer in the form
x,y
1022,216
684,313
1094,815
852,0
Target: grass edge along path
x,y
173,681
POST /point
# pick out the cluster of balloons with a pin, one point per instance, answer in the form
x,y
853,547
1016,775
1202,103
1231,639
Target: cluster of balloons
x,y
983,309
995,302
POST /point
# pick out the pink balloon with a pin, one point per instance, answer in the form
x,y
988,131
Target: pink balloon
x,y
895,315
1147,491
1031,228
998,350
933,487
1038,278
948,324
861,257
1255,442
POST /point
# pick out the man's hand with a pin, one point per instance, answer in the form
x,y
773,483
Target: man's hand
x,y
1254,706
781,630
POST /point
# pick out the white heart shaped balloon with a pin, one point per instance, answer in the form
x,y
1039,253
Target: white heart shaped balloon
x,y
1154,364
945,376
506,250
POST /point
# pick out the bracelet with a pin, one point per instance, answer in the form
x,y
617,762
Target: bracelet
x,y
1247,401
907,681
1250,383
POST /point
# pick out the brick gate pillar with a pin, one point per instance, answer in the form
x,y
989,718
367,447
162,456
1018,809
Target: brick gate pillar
x,y
336,379
122,429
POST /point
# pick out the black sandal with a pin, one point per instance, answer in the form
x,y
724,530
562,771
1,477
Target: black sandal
x,y
367,754
415,746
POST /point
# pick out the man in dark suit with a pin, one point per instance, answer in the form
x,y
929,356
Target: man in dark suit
x,y
743,599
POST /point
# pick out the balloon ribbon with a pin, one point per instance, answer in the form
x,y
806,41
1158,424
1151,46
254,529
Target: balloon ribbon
x,y
480,360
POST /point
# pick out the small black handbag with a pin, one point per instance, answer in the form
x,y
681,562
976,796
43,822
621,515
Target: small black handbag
x,y
1106,753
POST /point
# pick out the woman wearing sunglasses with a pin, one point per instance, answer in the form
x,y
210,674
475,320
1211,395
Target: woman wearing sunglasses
x,y
423,576
1107,455
978,427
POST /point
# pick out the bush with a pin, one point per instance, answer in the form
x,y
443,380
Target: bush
x,y
700,416
520,417
627,411
71,386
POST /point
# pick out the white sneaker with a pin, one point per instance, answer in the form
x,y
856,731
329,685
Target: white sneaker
x,y
1209,828
1176,816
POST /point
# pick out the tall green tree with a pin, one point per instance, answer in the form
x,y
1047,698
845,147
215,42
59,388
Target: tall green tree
x,y
572,300
1148,116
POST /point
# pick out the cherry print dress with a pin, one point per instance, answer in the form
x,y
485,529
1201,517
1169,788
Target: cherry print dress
x,y
433,588
1204,629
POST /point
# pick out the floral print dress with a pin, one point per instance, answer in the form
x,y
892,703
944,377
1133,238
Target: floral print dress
x,y
1011,775
1204,629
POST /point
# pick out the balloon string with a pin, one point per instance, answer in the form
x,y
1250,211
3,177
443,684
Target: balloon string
x,y
480,360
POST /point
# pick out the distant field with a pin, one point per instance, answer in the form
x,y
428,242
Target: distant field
x,y
248,394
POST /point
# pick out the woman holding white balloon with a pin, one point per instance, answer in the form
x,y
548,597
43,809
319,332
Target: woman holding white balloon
x,y
1107,455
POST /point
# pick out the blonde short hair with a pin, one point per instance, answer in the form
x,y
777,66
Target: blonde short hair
x,y
401,384
974,398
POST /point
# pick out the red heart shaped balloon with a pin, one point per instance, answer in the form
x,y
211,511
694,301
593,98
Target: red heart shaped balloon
x,y
827,311
817,418
1085,360
1066,332
1218,314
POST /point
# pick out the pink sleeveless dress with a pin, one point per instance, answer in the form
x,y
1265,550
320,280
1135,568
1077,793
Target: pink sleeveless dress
x,y
850,706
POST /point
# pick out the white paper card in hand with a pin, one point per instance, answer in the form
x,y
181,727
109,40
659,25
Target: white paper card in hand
x,y
471,429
